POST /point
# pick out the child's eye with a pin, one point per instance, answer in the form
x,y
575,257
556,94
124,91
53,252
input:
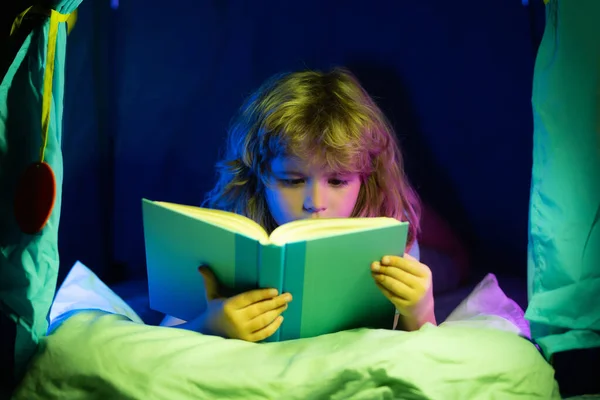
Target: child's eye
x,y
291,182
338,182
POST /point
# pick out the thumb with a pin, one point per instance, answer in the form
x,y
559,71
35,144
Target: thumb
x,y
211,284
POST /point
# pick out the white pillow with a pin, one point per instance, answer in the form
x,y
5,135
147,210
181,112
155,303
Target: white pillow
x,y
488,299
83,290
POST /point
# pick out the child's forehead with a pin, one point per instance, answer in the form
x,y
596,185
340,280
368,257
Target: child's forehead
x,y
289,164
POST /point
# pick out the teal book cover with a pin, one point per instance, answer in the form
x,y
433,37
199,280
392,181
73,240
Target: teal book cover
x,y
331,282
177,244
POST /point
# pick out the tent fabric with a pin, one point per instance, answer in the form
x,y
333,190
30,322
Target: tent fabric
x,y
447,74
564,234
29,263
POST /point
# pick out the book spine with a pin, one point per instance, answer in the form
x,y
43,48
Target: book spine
x,y
293,282
270,273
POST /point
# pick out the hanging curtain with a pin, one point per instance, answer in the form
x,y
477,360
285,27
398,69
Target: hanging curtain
x,y
564,237
31,99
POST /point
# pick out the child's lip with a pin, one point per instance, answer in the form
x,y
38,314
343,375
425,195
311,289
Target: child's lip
x,y
312,216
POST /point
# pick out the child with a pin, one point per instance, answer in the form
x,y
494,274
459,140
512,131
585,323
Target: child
x,y
313,145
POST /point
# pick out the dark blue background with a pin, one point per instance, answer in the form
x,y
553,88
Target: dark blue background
x,y
151,86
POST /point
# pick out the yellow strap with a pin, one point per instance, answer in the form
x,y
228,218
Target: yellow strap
x,y
55,19
71,20
18,20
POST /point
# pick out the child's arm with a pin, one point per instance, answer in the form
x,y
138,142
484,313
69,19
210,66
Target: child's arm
x,y
413,323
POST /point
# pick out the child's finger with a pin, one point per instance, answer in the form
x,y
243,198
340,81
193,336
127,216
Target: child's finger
x,y
245,299
397,273
411,266
395,287
256,309
211,284
267,330
397,301
265,319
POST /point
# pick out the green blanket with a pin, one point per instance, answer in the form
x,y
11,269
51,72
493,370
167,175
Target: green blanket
x,y
95,355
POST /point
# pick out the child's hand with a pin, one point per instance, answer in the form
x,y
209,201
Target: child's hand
x,y
407,284
252,316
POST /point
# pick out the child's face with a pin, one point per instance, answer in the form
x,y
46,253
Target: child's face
x,y
298,191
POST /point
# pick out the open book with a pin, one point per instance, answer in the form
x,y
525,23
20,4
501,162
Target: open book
x,y
323,263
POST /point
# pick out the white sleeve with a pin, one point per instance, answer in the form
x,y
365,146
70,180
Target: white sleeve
x,y
171,321
415,251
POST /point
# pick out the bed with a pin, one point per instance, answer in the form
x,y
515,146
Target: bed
x,y
101,346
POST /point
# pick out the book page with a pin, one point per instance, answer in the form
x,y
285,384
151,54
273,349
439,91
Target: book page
x,y
231,221
308,229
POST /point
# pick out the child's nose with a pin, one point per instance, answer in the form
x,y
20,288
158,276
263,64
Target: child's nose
x,y
315,199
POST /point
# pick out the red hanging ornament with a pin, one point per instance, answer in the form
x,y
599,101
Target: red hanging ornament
x,y
35,197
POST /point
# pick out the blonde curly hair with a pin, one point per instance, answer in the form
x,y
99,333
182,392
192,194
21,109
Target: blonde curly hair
x,y
324,117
